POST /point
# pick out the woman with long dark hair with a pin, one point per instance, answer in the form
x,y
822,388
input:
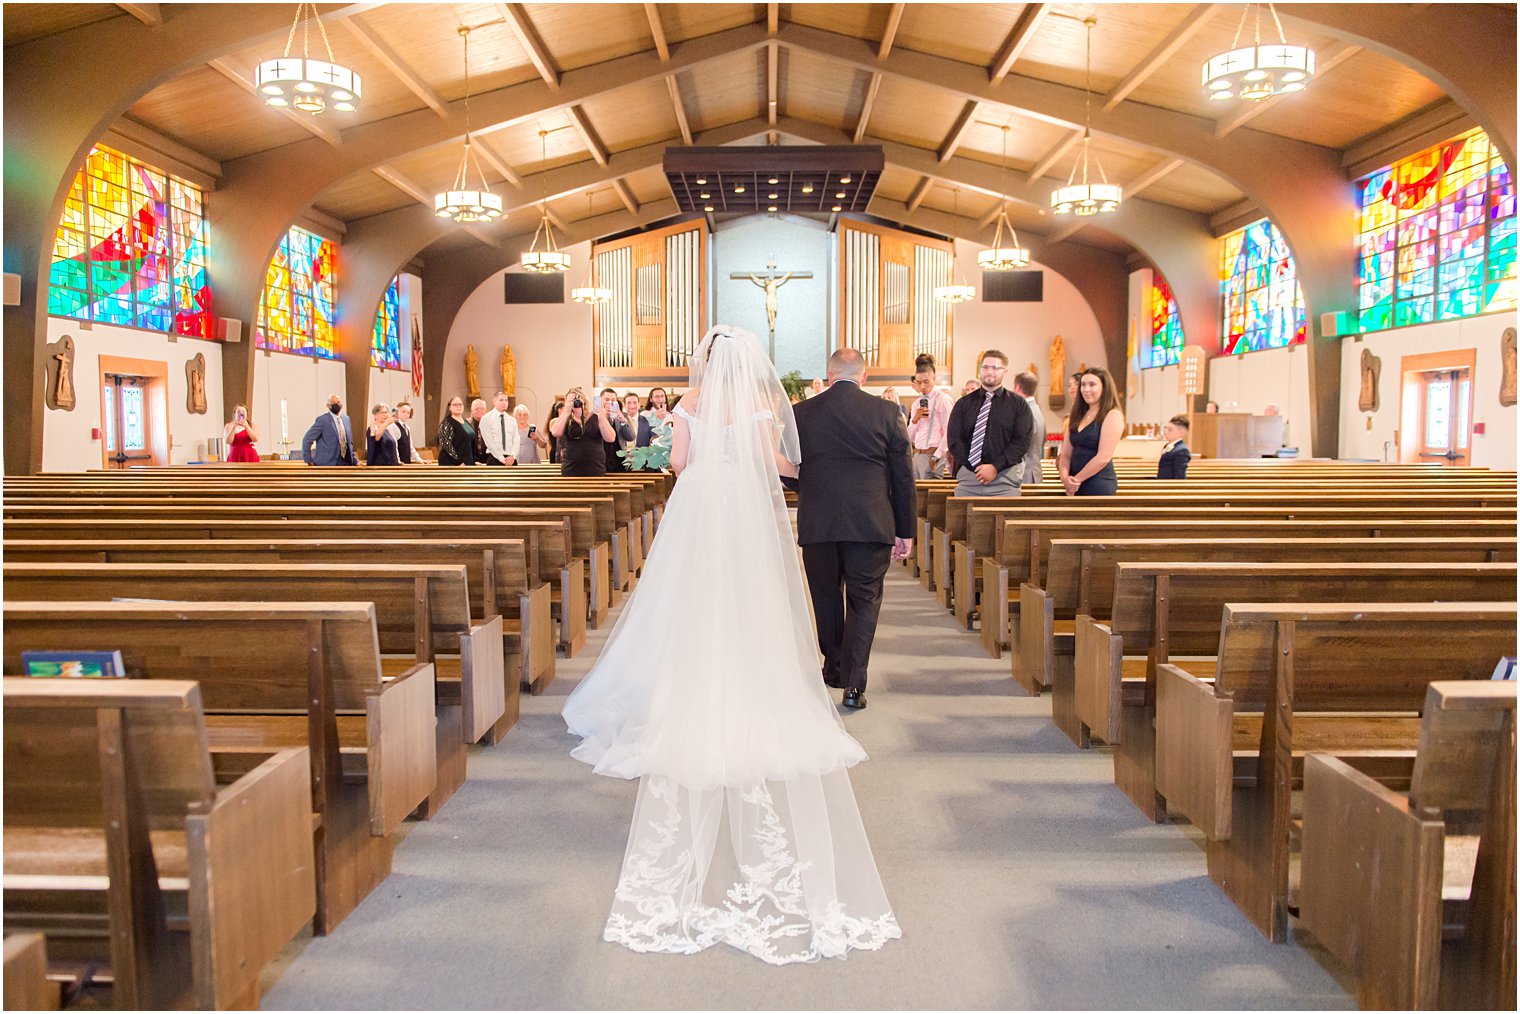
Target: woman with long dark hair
x,y
1093,432
456,436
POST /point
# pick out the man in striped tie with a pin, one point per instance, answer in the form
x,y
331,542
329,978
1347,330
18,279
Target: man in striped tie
x,y
990,432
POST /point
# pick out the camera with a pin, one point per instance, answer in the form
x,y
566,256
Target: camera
x,y
577,403
923,403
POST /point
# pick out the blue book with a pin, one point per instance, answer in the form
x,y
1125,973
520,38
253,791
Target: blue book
x,y
73,664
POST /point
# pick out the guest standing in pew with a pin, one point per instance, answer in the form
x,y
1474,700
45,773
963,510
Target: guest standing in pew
x,y
380,447
661,419
239,437
497,431
456,437
401,429
990,433
969,387
532,445
582,433
1093,432
477,413
643,434
929,422
1026,384
330,440
1211,408
1174,453
622,431
558,403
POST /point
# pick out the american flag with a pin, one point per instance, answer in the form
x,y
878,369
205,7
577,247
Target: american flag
x,y
416,359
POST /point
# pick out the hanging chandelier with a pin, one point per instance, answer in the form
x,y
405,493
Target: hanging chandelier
x,y
549,259
1000,257
306,84
957,291
1257,72
461,202
1087,198
591,292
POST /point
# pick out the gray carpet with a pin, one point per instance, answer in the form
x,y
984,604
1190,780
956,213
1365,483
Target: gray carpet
x,y
1022,878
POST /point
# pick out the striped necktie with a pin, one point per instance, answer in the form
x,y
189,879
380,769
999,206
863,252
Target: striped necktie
x,y
342,438
979,435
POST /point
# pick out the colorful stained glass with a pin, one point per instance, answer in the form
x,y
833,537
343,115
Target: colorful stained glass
x,y
385,345
131,249
1166,326
299,310
1438,236
1263,302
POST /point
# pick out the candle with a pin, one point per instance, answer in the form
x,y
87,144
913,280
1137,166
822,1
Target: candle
x,y
284,425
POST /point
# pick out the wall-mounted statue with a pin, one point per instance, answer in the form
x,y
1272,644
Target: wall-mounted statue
x,y
1057,371
1507,358
1035,370
59,390
471,372
195,384
1372,372
508,371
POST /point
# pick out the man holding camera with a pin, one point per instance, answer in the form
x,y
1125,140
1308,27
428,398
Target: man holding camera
x,y
928,424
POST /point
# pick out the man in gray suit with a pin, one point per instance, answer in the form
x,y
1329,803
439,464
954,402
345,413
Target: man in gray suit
x,y
1026,384
330,441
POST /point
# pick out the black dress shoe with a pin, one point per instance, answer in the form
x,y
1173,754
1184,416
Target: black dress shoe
x,y
854,699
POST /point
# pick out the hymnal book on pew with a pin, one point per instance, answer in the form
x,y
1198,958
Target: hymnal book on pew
x,y
74,664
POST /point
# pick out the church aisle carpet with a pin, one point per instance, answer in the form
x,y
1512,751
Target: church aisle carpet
x,y
1020,875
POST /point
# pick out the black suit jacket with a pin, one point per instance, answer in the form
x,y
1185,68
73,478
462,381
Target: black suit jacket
x,y
1174,463
856,479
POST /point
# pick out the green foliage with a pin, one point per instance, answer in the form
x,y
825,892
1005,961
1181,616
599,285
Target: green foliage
x,y
793,384
654,456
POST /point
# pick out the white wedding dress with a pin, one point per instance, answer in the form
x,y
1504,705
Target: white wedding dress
x,y
746,830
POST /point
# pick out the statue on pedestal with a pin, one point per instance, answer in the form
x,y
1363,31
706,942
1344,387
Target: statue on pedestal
x,y
1057,371
1372,370
508,371
471,371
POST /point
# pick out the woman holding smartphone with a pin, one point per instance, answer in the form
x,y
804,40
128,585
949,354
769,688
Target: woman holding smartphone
x,y
532,445
239,437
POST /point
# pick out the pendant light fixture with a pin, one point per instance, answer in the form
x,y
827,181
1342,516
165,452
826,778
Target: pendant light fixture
x,y
957,291
303,83
549,259
1258,71
591,292
1001,257
1087,198
461,202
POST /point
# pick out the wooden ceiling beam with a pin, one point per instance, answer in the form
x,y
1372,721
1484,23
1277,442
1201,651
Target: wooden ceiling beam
x,y
1251,110
409,187
371,40
149,14
773,18
517,19
772,80
680,108
305,121
656,29
492,158
958,132
588,134
1163,52
919,193
625,194
865,108
1018,40
990,217
1054,155
1153,175
889,36
555,219
1069,230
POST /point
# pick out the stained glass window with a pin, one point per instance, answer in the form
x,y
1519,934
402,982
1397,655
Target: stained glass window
x,y
1166,326
131,249
385,345
1437,236
1263,302
298,311
132,429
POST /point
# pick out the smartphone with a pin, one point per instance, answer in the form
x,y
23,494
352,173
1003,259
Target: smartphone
x,y
923,403
532,430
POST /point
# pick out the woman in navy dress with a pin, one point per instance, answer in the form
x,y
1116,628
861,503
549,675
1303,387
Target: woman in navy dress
x,y
1093,432
380,443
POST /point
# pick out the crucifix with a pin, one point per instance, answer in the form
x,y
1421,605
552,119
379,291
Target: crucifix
x,y
770,281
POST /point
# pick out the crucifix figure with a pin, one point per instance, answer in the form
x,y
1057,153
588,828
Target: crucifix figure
x,y
770,281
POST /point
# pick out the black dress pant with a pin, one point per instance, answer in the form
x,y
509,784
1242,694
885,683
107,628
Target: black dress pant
x,y
845,581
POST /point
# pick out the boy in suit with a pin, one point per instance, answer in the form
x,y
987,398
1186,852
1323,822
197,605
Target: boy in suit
x,y
330,440
1174,453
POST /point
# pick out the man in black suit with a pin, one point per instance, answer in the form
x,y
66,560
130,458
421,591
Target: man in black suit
x,y
855,511
1174,453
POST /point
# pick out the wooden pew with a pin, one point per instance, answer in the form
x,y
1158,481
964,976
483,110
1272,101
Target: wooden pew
x,y
128,841
1338,677
1384,871
274,675
26,983
1171,612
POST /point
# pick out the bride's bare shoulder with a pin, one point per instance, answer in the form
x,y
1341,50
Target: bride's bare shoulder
x,y
691,400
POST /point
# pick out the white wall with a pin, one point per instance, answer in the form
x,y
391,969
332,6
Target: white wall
x,y
802,319
551,342
1251,381
67,444
304,384
1494,448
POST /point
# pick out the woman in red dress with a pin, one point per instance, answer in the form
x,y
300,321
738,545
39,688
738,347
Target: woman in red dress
x,y
239,436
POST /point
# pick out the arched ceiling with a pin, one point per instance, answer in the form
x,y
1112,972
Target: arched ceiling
x,y
934,83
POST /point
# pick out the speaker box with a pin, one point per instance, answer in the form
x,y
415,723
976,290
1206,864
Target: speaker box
x,y
229,329
12,290
1336,325
1013,286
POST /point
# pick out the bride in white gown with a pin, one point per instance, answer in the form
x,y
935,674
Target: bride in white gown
x,y
708,691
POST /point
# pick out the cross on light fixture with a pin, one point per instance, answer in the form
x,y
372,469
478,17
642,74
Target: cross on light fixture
x,y
308,85
462,202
